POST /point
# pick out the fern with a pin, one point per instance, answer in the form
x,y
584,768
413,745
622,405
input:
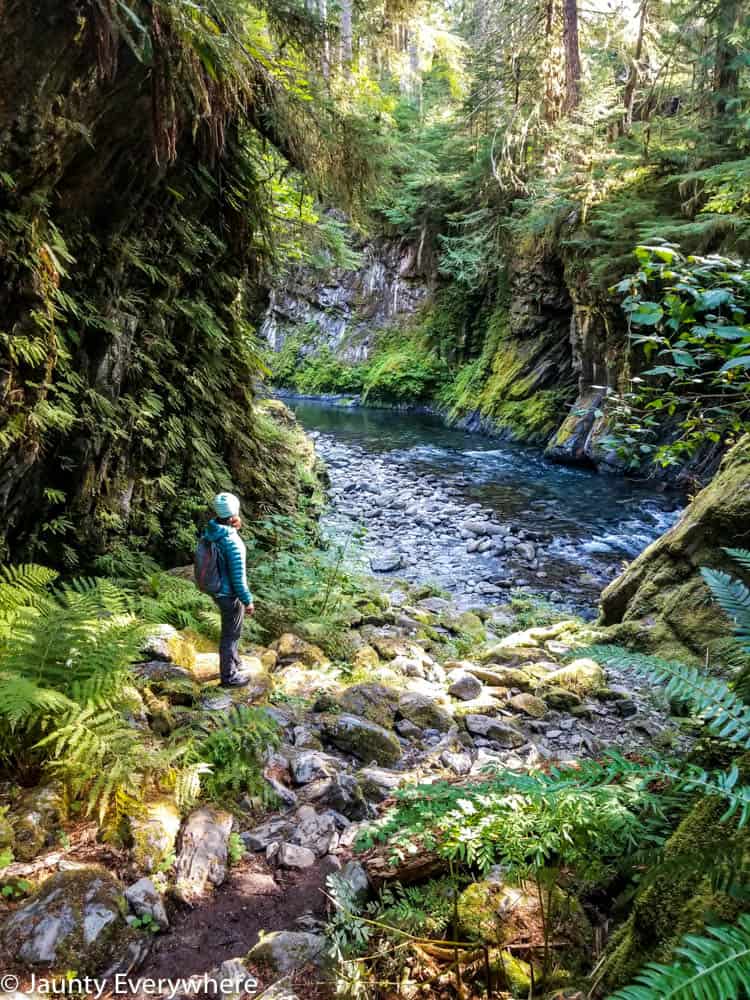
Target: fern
x,y
724,712
714,966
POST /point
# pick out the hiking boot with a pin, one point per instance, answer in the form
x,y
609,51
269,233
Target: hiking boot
x,y
235,681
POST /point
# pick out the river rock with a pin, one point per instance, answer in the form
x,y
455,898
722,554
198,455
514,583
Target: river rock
x,y
408,730
294,856
386,561
146,901
583,677
315,831
424,712
285,951
366,658
156,644
458,762
529,705
37,819
75,921
463,685
493,729
312,765
202,858
355,876
341,793
154,833
291,648
371,701
366,740
378,784
482,528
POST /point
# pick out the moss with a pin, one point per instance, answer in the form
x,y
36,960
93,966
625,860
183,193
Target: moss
x,y
660,603
678,900
371,701
582,677
154,834
182,651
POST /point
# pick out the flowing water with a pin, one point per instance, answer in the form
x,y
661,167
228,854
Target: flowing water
x,y
411,483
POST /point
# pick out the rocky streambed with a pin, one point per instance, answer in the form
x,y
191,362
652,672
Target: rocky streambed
x,y
413,499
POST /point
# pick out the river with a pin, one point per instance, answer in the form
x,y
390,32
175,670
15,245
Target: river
x,y
404,488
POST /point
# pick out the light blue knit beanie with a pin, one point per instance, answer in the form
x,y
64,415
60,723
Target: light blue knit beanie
x,y
226,505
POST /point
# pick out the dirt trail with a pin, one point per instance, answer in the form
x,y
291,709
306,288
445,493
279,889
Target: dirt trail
x,y
228,923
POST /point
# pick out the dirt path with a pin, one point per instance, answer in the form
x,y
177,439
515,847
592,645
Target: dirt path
x,y
254,898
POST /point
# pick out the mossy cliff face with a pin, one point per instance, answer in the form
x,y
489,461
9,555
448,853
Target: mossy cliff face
x,y
660,602
126,363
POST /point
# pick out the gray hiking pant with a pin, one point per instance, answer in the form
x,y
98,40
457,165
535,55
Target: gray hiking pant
x,y
232,617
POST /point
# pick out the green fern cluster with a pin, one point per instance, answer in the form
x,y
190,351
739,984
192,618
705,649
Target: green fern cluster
x,y
67,695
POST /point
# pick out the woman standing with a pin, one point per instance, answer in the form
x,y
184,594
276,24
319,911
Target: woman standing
x,y
234,598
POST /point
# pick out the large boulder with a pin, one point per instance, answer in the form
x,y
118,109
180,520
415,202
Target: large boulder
x,y
285,951
362,738
371,701
154,834
202,858
424,711
660,603
37,819
75,921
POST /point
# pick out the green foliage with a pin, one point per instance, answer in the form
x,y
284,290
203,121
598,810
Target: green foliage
x,y
236,848
587,818
402,370
233,746
689,314
713,966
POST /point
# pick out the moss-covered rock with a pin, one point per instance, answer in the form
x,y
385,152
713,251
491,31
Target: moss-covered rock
x,y
365,659
424,711
582,677
500,914
37,819
75,921
371,701
511,973
529,704
511,677
7,834
680,899
660,603
181,651
364,739
560,699
291,648
154,834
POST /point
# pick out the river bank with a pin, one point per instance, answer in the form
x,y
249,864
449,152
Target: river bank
x,y
411,498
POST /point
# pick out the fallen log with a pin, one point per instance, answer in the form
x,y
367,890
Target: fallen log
x,y
382,867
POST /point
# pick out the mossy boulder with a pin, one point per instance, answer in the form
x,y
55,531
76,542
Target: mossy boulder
x,y
424,711
291,648
154,834
500,913
364,739
511,655
511,973
285,951
511,677
528,704
181,651
560,699
37,819
660,604
582,677
365,659
371,701
75,921
680,898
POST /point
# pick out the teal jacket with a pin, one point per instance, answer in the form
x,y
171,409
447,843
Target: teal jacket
x,y
233,561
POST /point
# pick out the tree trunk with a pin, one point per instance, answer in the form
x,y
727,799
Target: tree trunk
x,y
572,55
347,43
628,97
726,75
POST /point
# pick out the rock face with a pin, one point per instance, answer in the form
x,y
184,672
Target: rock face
x,y
343,310
75,921
202,858
660,603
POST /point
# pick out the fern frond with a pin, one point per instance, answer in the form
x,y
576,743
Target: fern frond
x,y
732,596
714,966
740,556
724,712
